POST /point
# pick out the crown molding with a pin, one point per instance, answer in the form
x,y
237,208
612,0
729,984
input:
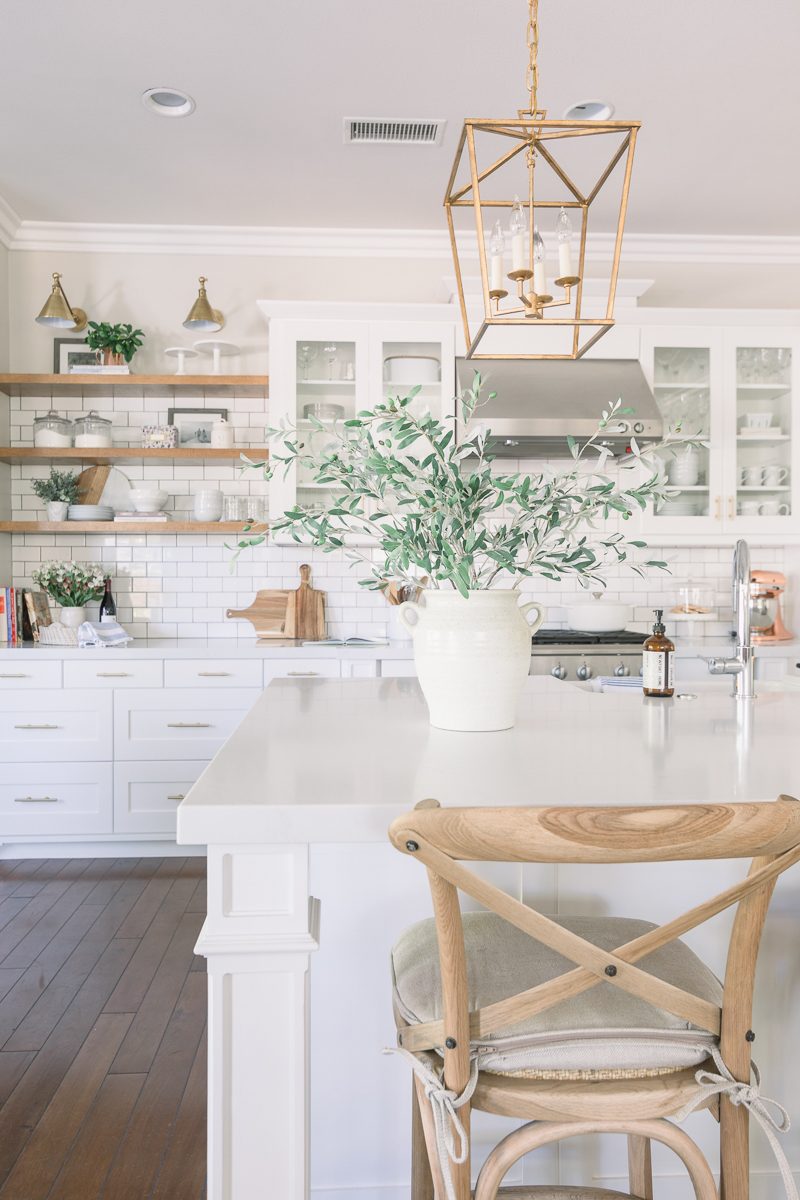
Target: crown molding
x,y
9,224
296,242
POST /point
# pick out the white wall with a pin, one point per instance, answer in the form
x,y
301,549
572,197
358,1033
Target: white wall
x,y
5,511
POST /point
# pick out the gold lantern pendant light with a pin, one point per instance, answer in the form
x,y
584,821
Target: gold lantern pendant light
x,y
57,312
496,162
202,318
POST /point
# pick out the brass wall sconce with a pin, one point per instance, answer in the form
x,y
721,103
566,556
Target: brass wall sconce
x,y
57,311
202,317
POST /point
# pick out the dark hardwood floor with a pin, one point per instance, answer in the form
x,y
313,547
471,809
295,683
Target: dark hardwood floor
x,y
102,1029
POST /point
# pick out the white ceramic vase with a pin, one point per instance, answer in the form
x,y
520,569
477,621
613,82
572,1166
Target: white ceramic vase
x,y
57,510
472,655
72,617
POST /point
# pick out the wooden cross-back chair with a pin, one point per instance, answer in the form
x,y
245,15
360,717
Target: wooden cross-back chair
x,y
442,838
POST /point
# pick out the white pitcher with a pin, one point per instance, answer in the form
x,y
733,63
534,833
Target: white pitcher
x,y
472,655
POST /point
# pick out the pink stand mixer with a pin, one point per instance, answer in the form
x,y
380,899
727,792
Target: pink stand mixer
x,y
766,621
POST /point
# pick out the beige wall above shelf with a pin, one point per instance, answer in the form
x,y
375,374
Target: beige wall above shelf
x,y
123,527
114,454
150,385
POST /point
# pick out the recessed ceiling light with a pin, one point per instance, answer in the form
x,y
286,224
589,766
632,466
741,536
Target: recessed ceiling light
x,y
590,110
168,102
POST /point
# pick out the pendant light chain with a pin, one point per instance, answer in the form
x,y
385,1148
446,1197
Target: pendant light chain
x,y
532,69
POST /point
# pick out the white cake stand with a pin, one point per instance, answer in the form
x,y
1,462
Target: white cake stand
x,y
181,353
217,350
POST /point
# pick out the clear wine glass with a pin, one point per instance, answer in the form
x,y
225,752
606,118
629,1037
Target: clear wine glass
x,y
306,353
330,351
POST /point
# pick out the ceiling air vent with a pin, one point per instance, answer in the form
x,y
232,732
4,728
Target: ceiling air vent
x,y
368,131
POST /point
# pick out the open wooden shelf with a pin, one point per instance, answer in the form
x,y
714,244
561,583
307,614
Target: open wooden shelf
x,y
123,527
23,384
114,454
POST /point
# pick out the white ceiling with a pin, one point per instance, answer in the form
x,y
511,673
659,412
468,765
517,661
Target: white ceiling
x,y
713,82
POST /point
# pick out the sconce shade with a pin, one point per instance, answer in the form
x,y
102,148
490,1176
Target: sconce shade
x,y
57,311
202,317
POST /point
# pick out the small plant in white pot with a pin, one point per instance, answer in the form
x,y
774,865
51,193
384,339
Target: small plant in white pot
x,y
72,585
58,491
436,508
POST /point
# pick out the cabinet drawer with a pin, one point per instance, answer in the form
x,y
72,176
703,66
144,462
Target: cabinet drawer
x,y
43,799
55,726
398,668
104,674
20,672
147,794
177,723
301,668
213,672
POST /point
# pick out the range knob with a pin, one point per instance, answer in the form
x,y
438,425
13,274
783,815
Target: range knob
x,y
559,672
638,427
621,671
584,672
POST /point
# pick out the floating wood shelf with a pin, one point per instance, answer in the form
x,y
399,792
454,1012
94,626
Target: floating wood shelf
x,y
115,454
123,527
149,385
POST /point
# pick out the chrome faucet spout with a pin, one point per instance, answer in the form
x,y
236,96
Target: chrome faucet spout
x,y
740,666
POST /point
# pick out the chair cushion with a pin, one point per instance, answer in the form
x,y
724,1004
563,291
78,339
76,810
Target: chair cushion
x,y
603,1030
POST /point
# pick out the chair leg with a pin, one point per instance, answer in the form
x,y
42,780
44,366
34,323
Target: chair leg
x,y
734,1134
421,1177
640,1167
460,1172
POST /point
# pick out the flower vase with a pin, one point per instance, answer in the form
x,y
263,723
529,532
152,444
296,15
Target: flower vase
x,y
57,510
472,655
72,617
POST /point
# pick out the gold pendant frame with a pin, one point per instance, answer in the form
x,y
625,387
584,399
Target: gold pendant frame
x,y
535,136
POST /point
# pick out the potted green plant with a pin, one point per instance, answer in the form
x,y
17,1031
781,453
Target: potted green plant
x,y
115,344
437,508
58,491
72,585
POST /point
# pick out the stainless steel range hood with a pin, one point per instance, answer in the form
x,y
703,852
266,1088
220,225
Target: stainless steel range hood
x,y
539,403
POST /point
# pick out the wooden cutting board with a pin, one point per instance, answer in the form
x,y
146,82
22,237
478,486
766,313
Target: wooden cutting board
x,y
91,484
309,609
271,614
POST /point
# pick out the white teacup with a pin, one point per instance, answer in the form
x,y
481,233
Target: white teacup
x,y
775,476
750,508
751,476
773,508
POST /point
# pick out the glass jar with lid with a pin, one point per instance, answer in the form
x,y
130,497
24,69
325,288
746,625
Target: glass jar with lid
x,y
52,430
92,430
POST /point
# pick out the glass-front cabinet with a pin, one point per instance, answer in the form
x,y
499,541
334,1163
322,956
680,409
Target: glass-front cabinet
x,y
736,390
328,370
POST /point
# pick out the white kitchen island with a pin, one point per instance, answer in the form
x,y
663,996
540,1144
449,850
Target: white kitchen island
x,y
296,805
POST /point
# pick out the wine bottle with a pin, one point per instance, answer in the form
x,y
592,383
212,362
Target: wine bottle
x,y
108,607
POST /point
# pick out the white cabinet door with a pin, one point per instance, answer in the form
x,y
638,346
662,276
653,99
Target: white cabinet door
x,y
19,670
55,726
177,723
213,672
147,794
43,799
97,673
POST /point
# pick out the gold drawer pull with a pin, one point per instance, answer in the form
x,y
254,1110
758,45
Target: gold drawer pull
x,y
37,726
213,674
189,725
113,674
13,675
36,800
304,674
178,797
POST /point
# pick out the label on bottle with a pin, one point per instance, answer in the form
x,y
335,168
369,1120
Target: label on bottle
x,y
658,671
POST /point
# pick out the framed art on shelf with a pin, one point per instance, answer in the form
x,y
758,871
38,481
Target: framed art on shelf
x,y
194,424
69,353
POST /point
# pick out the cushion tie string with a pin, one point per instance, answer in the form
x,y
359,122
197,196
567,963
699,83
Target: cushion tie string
x,y
452,1143
770,1115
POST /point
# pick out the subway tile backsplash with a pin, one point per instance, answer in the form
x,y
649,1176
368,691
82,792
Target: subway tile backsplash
x,y
170,585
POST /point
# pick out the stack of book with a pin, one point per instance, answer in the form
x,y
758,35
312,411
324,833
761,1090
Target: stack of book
x,y
22,614
141,516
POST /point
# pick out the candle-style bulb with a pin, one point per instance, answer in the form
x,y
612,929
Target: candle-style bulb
x,y
518,223
564,226
518,230
538,246
497,242
564,235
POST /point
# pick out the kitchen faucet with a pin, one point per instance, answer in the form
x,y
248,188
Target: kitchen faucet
x,y
741,665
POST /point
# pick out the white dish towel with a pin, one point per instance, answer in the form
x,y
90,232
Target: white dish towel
x,y
110,633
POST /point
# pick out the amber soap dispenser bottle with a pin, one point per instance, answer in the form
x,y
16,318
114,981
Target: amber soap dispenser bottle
x,y
658,672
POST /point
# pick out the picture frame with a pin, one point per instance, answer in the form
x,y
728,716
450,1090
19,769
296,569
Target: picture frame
x,y
194,424
72,352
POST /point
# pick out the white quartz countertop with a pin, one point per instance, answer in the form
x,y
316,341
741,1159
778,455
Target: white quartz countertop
x,y
337,760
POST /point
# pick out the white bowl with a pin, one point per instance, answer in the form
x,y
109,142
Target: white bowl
x,y
148,499
598,617
411,368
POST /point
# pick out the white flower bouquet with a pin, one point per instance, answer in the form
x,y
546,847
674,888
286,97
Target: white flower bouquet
x,y
70,584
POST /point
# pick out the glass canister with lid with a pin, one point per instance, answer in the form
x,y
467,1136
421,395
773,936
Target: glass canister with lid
x,y
92,430
52,430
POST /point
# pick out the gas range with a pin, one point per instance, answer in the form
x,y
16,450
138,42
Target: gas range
x,y
566,654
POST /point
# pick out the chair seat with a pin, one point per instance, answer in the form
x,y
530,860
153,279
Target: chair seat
x,y
603,1033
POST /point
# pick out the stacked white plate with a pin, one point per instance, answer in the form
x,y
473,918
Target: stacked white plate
x,y
90,512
